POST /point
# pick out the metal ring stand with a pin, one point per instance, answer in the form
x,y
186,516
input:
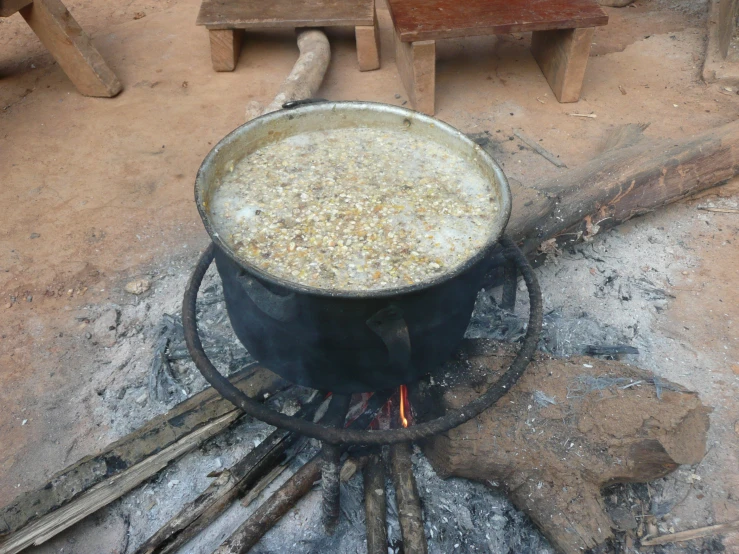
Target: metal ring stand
x,y
341,436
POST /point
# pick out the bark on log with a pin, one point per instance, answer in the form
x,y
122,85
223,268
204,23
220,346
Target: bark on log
x,y
158,434
563,432
621,183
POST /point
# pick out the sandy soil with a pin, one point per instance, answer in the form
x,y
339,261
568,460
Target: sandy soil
x,y
99,191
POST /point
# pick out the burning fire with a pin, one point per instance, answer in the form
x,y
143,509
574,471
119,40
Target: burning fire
x,y
403,403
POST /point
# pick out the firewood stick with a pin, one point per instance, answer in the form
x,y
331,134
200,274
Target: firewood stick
x,y
232,483
330,467
375,505
158,434
719,210
692,534
269,513
407,498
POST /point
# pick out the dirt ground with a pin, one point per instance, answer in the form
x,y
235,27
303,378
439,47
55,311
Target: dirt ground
x,y
96,192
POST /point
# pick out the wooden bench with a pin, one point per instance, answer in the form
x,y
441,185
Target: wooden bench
x,y
68,43
562,32
226,21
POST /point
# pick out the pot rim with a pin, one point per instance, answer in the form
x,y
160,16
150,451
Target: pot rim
x,y
500,218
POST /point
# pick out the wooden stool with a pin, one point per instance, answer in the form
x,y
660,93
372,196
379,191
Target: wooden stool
x,y
226,20
562,32
68,43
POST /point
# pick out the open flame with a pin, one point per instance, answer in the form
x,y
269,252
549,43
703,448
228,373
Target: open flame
x,y
403,405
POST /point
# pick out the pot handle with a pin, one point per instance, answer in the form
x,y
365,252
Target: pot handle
x,y
281,308
389,325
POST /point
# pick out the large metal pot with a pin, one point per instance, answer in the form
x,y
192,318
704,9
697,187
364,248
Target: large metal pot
x,y
347,341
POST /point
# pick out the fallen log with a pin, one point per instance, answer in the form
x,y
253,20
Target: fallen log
x,y
567,429
151,440
630,178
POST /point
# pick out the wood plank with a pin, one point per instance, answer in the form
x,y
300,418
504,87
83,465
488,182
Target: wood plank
x,y
157,434
105,492
563,56
368,46
438,19
726,25
9,7
225,48
284,14
71,48
416,62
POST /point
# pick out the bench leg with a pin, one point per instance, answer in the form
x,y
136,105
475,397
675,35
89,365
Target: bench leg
x,y
416,63
563,56
71,48
225,47
368,46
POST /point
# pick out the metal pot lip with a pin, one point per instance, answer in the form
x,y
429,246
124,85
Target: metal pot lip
x,y
501,216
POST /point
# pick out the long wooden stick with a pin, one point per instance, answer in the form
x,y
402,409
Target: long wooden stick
x,y
105,492
375,505
269,513
692,534
331,464
158,434
408,500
